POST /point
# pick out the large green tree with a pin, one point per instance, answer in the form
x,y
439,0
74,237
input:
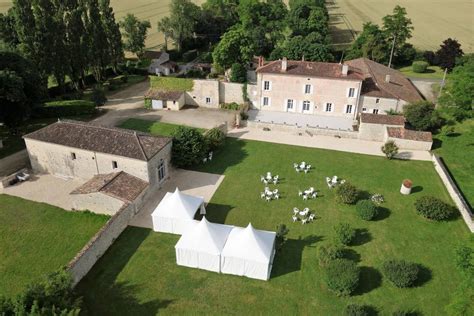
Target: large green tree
x,y
112,33
13,101
236,46
312,48
397,28
98,51
8,32
135,32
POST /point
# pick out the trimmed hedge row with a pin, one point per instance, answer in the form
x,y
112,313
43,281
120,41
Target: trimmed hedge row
x,y
64,108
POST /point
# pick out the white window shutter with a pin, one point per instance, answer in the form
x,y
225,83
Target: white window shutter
x,y
312,89
270,85
355,93
269,101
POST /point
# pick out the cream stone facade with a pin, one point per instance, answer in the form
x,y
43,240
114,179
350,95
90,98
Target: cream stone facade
x,y
308,95
205,93
376,105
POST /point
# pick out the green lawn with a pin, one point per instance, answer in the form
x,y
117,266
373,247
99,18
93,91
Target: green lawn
x,y
152,127
457,150
139,275
171,83
433,72
37,238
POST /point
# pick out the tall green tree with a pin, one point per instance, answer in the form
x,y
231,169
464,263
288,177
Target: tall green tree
x,y
25,27
371,43
135,32
7,28
13,100
397,28
236,46
165,27
98,52
112,32
311,48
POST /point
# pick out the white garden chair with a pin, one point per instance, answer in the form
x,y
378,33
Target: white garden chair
x,y
311,217
268,198
262,178
210,156
295,219
298,169
306,209
304,221
306,171
308,167
295,165
303,165
305,197
269,176
277,196
275,191
262,195
314,195
300,193
295,210
334,180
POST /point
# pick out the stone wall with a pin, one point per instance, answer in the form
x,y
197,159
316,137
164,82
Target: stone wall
x,y
296,130
374,132
96,202
454,192
203,89
384,104
231,92
410,144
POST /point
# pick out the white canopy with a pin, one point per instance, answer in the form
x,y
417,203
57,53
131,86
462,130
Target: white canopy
x,y
176,211
249,252
201,246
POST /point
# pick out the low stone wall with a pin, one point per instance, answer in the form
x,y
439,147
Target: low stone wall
x,y
6,181
303,129
454,192
411,144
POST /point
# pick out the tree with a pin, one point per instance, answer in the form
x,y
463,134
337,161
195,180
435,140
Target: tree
x,y
238,73
165,27
98,54
189,147
367,210
305,18
448,52
281,232
344,233
390,149
342,277
112,33
458,96
397,28
346,193
312,47
25,26
371,43
7,28
400,272
422,115
236,46
13,100
135,32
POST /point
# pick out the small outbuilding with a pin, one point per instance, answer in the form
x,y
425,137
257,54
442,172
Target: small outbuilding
x,y
176,211
201,246
160,99
249,252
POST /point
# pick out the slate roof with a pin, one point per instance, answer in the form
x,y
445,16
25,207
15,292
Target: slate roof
x,y
163,95
382,119
119,185
311,69
374,83
108,140
403,133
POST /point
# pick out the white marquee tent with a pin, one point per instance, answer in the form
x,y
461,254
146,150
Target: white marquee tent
x,y
176,211
249,252
201,247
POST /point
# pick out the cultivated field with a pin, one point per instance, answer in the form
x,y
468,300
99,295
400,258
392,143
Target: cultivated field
x,y
434,21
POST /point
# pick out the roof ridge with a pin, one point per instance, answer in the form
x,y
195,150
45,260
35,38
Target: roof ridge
x,y
109,128
110,181
140,145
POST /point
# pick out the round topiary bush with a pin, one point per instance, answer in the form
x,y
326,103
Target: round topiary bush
x,y
400,272
342,277
347,193
433,208
328,253
356,310
419,66
367,210
344,233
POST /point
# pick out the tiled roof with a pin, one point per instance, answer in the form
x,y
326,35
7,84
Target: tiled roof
x,y
374,84
164,95
403,133
152,54
108,140
382,119
311,69
119,185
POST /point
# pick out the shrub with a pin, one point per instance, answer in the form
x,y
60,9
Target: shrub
x,y
377,198
189,55
405,312
215,138
419,66
390,149
148,103
423,116
400,272
347,193
345,233
98,95
342,277
189,147
328,253
356,310
433,208
238,73
64,108
367,210
230,106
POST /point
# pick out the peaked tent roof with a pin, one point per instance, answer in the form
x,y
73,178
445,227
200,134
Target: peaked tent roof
x,y
250,243
178,205
205,237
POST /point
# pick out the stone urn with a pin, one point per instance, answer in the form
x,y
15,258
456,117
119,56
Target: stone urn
x,y
406,187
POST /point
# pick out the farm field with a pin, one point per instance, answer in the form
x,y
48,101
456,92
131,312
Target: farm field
x,y
139,276
37,239
434,21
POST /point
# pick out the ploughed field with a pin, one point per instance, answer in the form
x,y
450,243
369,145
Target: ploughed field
x,y
139,275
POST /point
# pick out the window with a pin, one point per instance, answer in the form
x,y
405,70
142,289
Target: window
x,y
289,104
376,111
114,165
307,89
349,108
73,156
364,109
266,85
161,170
208,100
266,101
328,107
306,106
377,101
351,93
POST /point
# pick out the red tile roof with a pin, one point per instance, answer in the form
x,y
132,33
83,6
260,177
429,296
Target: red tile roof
x,y
403,133
382,119
311,69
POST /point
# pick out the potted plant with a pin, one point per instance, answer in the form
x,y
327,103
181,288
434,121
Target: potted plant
x,y
406,187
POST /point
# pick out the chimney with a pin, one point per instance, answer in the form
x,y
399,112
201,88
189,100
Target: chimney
x,y
345,69
284,64
260,61
387,78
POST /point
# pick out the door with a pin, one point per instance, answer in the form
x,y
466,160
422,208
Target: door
x,y
157,104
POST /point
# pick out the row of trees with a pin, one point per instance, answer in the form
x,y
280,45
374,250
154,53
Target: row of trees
x,y
64,38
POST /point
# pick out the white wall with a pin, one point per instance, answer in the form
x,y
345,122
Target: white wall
x,y
96,202
384,105
201,90
375,132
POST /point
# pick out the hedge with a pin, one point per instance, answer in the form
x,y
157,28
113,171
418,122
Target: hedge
x,y
366,209
342,277
419,66
433,208
64,108
400,272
